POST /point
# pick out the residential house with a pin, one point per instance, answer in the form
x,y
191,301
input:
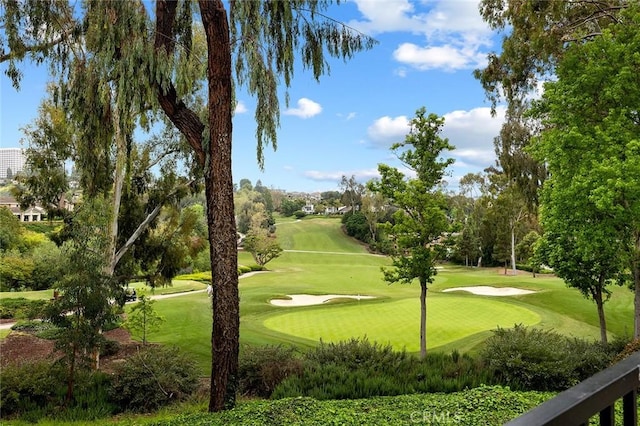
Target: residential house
x,y
31,214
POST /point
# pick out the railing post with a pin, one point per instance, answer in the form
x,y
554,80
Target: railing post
x,y
629,408
607,416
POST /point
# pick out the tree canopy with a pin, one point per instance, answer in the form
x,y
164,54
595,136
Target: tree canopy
x,y
591,145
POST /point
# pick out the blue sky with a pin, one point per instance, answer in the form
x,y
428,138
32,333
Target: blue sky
x,y
344,124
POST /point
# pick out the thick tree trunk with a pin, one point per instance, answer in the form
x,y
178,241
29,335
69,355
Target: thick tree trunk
x,y
220,210
423,319
215,158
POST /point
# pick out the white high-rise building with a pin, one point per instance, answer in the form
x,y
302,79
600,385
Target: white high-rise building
x,y
12,160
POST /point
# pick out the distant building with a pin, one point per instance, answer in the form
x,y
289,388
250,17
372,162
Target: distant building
x,y
12,161
308,208
32,214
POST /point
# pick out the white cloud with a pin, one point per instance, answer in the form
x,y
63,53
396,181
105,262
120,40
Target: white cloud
x,y
241,108
348,116
386,16
336,175
386,130
306,109
445,57
472,133
454,32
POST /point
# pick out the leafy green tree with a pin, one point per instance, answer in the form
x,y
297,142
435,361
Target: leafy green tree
x,y
267,199
262,246
165,70
16,271
356,225
420,220
51,140
591,205
373,209
48,261
539,33
537,36
526,247
289,207
84,306
10,230
250,210
142,318
511,212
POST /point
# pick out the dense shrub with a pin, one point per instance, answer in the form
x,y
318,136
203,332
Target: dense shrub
x,y
627,349
261,369
30,387
299,214
154,377
21,308
361,369
37,390
534,359
356,226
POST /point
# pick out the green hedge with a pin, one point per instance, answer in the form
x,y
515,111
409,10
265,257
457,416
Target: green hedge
x,y
535,359
361,369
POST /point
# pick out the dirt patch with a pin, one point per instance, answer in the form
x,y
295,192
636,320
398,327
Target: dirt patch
x,y
23,348
20,348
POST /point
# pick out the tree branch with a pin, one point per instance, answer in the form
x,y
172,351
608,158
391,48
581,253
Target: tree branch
x,y
180,115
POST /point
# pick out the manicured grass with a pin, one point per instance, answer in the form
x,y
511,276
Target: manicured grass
x,y
31,295
397,323
459,321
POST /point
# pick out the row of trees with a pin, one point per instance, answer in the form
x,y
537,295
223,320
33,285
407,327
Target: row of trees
x,y
579,140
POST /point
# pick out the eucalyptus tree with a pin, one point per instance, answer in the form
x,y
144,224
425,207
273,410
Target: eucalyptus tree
x,y
590,144
153,63
420,220
537,34
352,191
373,209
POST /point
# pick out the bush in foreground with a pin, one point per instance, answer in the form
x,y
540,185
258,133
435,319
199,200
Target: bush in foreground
x,y
535,359
361,369
154,377
261,369
36,391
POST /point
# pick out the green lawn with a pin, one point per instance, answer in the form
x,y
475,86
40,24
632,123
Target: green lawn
x,y
319,259
341,266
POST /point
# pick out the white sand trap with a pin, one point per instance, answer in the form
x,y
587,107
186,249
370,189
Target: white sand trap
x,y
485,290
309,299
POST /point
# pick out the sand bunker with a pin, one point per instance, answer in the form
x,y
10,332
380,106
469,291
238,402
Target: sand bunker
x,y
485,290
309,299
